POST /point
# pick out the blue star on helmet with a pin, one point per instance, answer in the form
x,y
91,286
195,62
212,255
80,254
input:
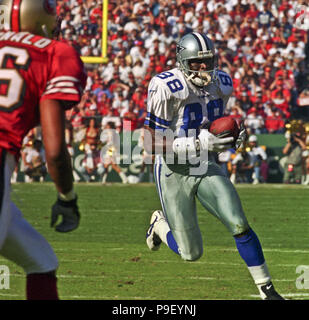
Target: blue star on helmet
x,y
179,48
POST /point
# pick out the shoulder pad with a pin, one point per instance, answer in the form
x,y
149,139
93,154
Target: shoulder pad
x,y
172,82
225,83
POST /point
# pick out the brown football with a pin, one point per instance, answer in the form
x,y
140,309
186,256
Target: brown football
x,y
225,126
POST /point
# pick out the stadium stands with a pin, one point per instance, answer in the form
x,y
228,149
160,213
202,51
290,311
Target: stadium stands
x,y
258,44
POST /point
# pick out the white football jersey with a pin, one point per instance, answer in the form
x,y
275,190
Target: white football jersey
x,y
175,103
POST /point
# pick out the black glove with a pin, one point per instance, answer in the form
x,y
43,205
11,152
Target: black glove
x,y
69,212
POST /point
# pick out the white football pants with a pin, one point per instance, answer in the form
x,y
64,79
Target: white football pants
x,y
19,241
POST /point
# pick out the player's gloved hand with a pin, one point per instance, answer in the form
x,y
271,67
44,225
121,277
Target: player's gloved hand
x,y
184,145
69,212
210,142
242,137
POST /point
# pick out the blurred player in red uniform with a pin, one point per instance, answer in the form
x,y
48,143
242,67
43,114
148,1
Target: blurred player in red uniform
x,y
39,79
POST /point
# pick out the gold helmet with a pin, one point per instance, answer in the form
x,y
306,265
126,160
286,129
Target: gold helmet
x,y
35,16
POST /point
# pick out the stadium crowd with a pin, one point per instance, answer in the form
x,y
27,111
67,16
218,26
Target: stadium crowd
x,y
257,44
256,41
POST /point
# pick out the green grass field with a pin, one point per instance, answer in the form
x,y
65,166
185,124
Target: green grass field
x,y
107,257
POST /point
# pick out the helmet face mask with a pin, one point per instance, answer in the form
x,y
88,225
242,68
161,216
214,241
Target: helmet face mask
x,y
35,16
200,77
196,49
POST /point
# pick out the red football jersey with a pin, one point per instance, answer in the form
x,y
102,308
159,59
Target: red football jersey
x,y
33,68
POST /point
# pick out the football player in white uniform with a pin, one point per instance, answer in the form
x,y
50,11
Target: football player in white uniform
x,y
183,100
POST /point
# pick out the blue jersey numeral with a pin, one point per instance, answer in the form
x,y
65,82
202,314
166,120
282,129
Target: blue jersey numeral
x,y
214,109
174,85
165,75
192,116
226,80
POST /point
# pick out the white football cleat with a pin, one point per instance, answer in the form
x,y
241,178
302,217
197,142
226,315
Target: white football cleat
x,y
152,239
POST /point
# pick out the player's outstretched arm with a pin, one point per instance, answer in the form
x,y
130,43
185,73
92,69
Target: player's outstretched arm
x,y
59,165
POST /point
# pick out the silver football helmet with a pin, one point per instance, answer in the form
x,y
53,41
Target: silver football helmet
x,y
198,47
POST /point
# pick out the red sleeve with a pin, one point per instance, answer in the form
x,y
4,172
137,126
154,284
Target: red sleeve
x,y
66,78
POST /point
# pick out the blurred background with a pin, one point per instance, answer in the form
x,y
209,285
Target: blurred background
x,y
263,45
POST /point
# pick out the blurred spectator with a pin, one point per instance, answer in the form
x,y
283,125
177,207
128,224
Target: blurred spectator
x,y
277,86
92,165
274,122
303,99
237,113
124,68
130,118
27,146
111,152
139,71
264,16
35,162
242,167
237,14
268,77
293,161
306,161
132,83
92,134
132,24
76,116
254,122
245,102
91,111
139,97
111,117
260,170
101,90
118,84
139,52
104,104
281,102
120,104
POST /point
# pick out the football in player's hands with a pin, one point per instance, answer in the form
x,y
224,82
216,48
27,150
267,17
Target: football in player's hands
x,y
225,127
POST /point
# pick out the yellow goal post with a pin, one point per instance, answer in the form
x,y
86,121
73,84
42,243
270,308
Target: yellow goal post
x,y
103,58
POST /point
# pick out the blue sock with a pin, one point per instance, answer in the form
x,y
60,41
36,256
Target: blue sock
x,y
171,242
250,249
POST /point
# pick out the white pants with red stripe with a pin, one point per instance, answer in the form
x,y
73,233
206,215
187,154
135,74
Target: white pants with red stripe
x,y
19,241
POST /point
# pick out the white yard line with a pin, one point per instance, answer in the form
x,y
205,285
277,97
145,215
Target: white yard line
x,y
286,295
207,249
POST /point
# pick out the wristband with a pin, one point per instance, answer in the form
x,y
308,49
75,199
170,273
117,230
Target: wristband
x,y
71,195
